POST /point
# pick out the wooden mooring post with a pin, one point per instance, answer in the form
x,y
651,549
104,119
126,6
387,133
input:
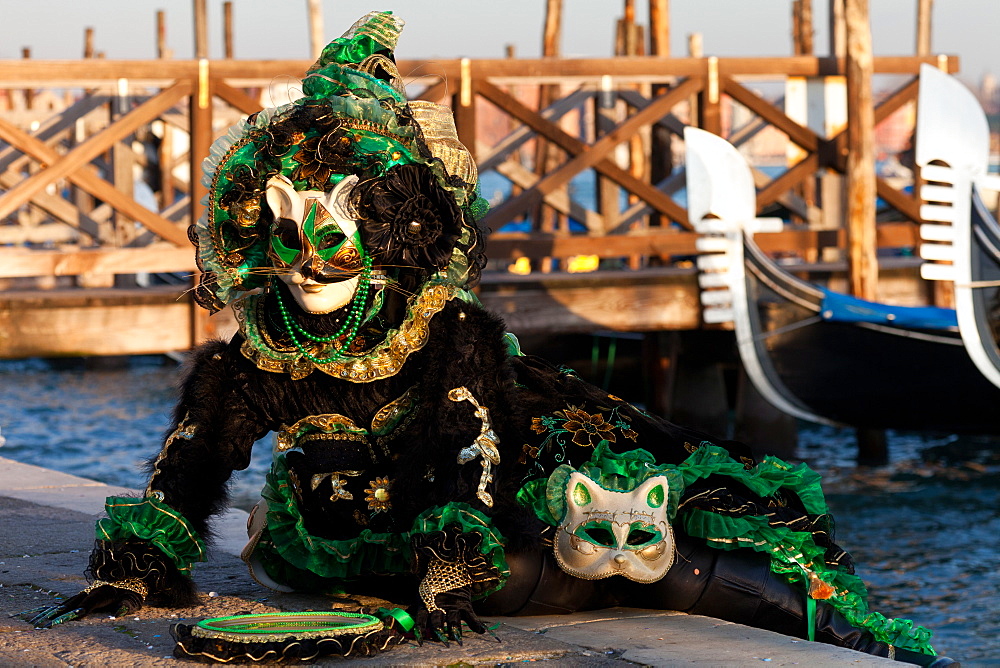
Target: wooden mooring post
x,y
862,263
202,135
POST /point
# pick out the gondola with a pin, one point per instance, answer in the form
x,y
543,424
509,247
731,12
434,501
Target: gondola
x,y
962,236
816,354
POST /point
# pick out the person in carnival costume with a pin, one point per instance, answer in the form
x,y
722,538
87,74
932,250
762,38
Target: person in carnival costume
x,y
414,440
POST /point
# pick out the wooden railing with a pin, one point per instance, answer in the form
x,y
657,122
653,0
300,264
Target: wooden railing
x,y
70,201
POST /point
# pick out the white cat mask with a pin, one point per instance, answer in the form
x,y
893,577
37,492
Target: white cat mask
x,y
607,533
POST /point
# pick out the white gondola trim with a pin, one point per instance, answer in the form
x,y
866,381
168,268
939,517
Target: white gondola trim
x,y
952,128
717,316
937,272
937,212
938,252
768,225
714,262
712,244
988,182
723,167
934,193
938,173
713,280
712,226
938,233
716,297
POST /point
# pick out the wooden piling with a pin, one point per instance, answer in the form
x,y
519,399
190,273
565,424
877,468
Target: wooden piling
x,y
517,156
200,111
88,42
862,262
695,50
29,93
605,118
315,28
924,7
661,157
802,27
630,42
873,448
940,293
165,151
838,35
161,35
547,155
200,30
227,30
802,38
659,28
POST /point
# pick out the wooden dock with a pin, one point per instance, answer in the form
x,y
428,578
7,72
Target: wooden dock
x,y
95,158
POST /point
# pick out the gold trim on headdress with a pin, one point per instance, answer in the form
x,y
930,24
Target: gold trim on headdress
x,y
441,136
382,67
382,27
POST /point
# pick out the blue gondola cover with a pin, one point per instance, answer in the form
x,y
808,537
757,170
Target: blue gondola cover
x,y
844,308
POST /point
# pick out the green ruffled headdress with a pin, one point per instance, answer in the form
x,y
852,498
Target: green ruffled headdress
x,y
353,118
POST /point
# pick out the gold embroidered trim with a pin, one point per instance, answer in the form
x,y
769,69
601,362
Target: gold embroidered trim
x,y
485,445
132,584
393,412
336,483
175,516
378,496
331,423
277,627
383,361
215,233
183,430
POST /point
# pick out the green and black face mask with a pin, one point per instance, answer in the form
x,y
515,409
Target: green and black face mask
x,y
324,245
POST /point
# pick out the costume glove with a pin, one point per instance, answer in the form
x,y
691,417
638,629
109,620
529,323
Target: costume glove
x,y
445,602
124,597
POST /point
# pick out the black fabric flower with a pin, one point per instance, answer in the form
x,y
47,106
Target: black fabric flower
x,y
322,156
279,137
409,218
242,199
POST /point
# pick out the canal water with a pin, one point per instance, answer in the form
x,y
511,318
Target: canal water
x,y
922,530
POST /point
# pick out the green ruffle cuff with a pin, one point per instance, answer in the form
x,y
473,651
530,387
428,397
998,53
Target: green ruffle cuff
x,y
370,553
794,555
490,565
154,522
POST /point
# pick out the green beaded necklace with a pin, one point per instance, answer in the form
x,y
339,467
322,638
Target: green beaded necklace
x,y
348,330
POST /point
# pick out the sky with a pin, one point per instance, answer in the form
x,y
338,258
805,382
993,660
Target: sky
x,y
270,29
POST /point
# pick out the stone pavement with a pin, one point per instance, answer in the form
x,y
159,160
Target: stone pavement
x,y
46,533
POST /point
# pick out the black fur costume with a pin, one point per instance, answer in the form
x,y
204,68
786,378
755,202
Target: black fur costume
x,y
234,404
369,471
